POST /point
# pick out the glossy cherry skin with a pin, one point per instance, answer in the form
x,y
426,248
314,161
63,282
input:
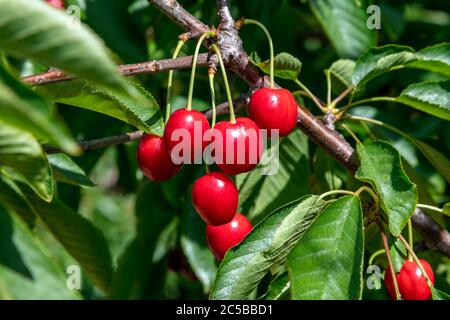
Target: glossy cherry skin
x,y
240,147
195,124
215,198
274,108
222,238
411,283
154,160
59,4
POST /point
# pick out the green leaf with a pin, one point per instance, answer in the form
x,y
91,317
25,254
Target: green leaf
x,y
245,265
342,69
268,187
327,262
286,66
79,236
20,150
429,97
12,197
195,247
279,288
142,111
380,60
66,170
27,270
37,31
439,295
435,58
344,22
436,158
447,208
23,108
381,167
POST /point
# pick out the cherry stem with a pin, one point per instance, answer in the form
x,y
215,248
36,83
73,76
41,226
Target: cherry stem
x,y
269,39
410,239
225,80
194,66
311,96
416,259
350,132
329,193
213,97
375,254
390,264
170,79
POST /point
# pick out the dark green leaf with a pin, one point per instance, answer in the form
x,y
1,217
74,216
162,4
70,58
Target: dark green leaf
x,y
141,111
74,49
13,198
434,58
67,171
439,295
344,22
286,66
436,158
279,288
327,262
429,97
20,150
343,69
447,208
381,167
245,265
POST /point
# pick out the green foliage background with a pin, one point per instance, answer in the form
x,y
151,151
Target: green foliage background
x,y
140,240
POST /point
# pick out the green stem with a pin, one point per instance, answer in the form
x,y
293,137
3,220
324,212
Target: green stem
x,y
410,239
374,255
328,75
372,194
213,97
363,101
416,259
354,136
225,80
329,193
313,97
269,39
169,81
433,208
194,66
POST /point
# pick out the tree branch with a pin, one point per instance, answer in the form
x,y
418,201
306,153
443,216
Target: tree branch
x,y
153,66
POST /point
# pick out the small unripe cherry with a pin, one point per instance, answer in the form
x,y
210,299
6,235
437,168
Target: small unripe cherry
x,y
154,160
274,108
241,146
221,238
411,283
191,123
215,198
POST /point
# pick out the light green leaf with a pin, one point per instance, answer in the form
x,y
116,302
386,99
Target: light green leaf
x,y
142,111
23,108
429,97
435,58
268,186
80,238
37,31
380,60
439,295
342,69
344,22
381,167
26,267
20,150
245,265
66,170
447,208
286,66
327,262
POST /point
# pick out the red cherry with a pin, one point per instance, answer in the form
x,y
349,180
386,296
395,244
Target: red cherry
x,y
273,108
222,238
195,125
237,146
154,160
58,4
411,283
215,198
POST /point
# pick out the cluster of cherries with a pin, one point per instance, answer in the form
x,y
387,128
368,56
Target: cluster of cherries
x,y
214,195
411,282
